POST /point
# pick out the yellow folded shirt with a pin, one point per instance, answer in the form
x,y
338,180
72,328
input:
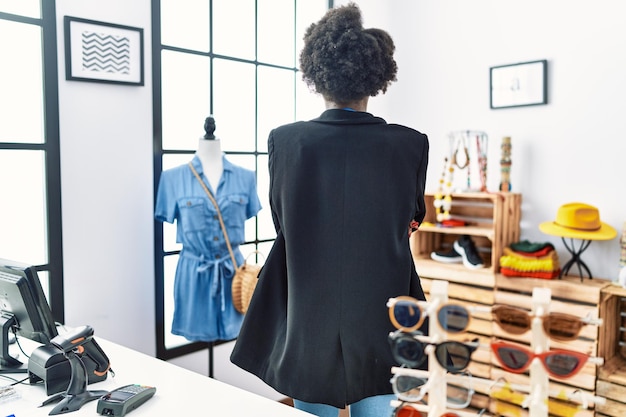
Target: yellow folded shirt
x,y
525,264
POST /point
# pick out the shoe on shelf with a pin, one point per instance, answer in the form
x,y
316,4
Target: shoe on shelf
x,y
447,257
466,248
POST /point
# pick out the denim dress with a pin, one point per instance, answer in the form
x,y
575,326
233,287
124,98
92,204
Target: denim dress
x,y
203,308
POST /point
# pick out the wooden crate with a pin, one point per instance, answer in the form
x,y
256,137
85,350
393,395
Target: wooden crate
x,y
612,376
492,223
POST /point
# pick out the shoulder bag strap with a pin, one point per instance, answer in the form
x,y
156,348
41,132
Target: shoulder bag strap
x,y
219,213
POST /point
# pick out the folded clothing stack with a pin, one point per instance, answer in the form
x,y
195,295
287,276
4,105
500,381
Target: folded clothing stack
x,y
530,259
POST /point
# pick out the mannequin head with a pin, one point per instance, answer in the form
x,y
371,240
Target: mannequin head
x,y
209,128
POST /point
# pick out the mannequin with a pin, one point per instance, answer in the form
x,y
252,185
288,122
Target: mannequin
x,y
210,154
203,307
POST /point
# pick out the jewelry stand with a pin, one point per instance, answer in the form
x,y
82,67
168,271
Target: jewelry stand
x,y
468,152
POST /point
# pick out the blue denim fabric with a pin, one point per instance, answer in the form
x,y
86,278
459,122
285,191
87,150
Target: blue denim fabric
x,y
377,406
203,309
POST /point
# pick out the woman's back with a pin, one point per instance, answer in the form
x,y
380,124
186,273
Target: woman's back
x,y
344,189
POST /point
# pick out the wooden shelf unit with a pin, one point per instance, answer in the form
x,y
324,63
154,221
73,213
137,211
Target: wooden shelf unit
x,y
611,382
495,219
492,222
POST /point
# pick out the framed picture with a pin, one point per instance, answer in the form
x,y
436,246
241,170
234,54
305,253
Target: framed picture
x,y
515,85
103,52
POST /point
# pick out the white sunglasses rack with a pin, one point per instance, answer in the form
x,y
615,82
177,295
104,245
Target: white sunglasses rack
x,y
538,391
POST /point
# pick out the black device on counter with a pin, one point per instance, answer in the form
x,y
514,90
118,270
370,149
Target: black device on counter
x,y
124,399
24,311
48,365
77,342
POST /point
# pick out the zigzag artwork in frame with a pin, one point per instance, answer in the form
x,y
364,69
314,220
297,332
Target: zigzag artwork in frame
x,y
103,52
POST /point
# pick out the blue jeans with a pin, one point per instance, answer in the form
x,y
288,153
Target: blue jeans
x,y
377,406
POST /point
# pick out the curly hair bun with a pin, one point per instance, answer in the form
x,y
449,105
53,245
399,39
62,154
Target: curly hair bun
x,y
344,62
344,18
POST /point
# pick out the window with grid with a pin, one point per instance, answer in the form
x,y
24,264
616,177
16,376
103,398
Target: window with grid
x,y
236,61
30,206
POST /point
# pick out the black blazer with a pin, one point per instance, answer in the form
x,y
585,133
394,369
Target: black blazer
x,y
343,190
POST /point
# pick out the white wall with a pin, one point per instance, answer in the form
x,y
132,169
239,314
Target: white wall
x,y
106,182
568,150
107,188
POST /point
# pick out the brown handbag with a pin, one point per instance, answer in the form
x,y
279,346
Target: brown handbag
x,y
247,275
244,283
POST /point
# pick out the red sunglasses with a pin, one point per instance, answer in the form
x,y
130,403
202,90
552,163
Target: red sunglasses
x,y
559,363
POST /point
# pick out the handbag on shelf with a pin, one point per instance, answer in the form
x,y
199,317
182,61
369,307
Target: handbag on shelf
x,y
247,275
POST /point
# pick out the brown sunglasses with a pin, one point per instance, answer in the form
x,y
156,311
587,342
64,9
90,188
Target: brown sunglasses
x,y
557,326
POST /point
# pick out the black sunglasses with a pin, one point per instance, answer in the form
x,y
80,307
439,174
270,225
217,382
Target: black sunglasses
x,y
452,355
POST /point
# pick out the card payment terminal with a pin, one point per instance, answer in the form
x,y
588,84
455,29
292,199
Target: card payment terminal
x,y
124,399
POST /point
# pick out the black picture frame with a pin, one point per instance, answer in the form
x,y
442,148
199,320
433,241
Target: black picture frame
x,y
518,85
103,52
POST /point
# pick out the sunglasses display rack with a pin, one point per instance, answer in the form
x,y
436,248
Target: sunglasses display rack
x,y
546,363
538,394
437,374
585,300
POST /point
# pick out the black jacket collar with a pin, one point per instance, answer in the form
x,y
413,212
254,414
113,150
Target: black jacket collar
x,y
348,117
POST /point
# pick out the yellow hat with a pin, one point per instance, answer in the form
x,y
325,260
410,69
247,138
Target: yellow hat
x,y
578,221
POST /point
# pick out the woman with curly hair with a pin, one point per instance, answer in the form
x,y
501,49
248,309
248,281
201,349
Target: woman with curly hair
x,y
345,188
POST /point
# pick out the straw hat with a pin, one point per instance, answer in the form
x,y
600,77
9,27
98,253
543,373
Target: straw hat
x,y
578,221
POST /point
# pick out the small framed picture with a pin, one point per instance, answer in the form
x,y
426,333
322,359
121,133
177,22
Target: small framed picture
x,y
522,84
103,52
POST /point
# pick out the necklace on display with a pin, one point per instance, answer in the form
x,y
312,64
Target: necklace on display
x,y
443,196
456,158
481,151
462,161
